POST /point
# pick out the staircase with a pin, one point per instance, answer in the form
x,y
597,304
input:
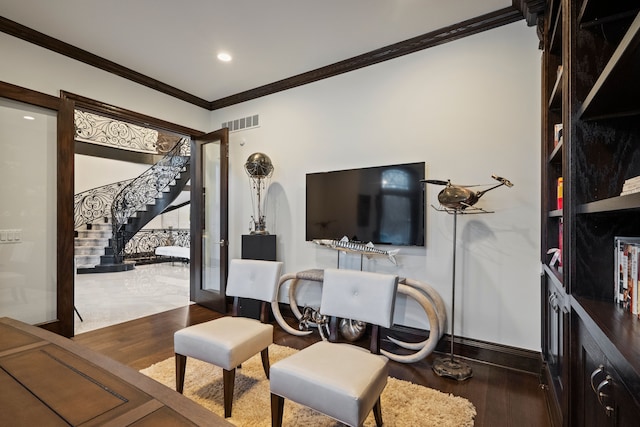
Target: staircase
x,y
90,242
108,217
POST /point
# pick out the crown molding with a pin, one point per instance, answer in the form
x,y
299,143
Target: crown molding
x,y
32,36
443,35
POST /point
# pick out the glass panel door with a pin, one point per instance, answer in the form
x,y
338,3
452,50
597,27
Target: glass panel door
x,y
209,219
28,221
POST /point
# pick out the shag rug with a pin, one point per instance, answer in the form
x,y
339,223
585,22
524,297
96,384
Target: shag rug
x,y
403,403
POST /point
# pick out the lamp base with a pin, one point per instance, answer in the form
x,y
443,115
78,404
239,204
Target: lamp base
x,y
452,368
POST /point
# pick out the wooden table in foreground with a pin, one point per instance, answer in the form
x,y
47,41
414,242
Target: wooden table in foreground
x,y
46,379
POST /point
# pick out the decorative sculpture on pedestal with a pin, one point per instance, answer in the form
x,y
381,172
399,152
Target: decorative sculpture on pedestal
x,y
458,199
259,168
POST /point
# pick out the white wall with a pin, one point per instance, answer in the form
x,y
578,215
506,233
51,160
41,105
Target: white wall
x,y
92,172
469,109
28,164
27,65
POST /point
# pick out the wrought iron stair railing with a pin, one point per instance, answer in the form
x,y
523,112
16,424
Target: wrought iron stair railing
x,y
141,248
95,204
147,196
137,201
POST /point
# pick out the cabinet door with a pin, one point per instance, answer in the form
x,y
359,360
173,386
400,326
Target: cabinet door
x,y
626,410
594,381
600,397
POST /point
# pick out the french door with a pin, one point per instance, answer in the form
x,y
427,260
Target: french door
x,y
209,219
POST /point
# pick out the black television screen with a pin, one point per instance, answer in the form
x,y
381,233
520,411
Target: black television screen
x,y
382,205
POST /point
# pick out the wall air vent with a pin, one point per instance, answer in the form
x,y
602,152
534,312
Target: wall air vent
x,y
243,123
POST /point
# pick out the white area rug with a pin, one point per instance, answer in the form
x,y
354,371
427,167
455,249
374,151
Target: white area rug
x,y
403,403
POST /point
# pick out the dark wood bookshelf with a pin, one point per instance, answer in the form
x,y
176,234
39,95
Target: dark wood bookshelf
x,y
590,345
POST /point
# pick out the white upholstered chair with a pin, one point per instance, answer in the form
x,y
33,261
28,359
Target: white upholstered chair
x,y
227,342
343,381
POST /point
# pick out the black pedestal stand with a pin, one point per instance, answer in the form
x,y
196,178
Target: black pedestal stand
x,y
260,247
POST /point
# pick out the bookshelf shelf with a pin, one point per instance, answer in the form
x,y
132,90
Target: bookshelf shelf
x,y
613,204
555,102
555,44
556,154
616,92
597,12
555,274
557,213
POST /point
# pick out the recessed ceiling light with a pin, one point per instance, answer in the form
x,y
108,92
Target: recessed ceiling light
x,y
29,118
224,57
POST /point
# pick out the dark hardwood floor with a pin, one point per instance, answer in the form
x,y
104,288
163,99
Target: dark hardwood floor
x,y
502,397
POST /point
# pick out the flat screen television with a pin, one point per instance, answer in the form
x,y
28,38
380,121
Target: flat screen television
x,y
383,205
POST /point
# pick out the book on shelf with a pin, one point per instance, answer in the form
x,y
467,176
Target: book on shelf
x,y
633,279
559,192
622,268
633,180
627,273
557,134
630,186
560,231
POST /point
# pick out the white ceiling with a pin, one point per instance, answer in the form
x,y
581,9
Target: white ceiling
x,y
176,42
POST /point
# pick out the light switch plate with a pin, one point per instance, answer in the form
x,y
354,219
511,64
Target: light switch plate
x,y
10,236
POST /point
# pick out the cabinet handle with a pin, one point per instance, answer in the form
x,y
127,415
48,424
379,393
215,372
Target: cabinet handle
x,y
553,301
601,395
595,373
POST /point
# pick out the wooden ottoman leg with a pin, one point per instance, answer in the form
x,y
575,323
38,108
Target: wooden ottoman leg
x,y
264,354
228,378
377,413
277,410
181,363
